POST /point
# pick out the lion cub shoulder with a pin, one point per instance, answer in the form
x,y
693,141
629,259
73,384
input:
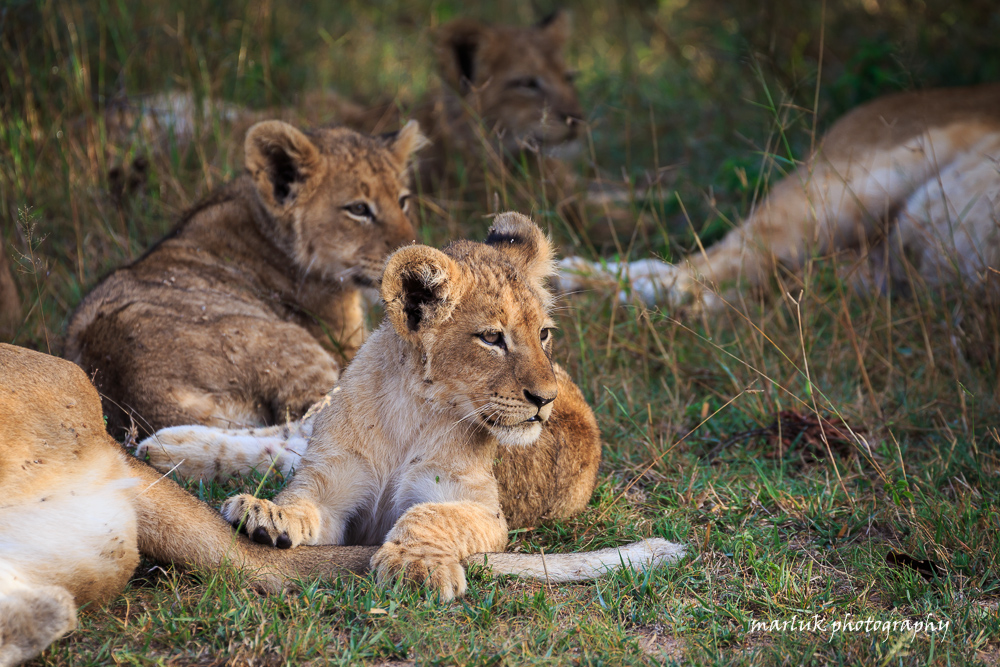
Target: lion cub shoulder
x,y
245,313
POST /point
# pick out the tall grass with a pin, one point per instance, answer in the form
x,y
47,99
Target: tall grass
x,y
718,95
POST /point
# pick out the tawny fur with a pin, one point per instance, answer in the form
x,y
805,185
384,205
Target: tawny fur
x,y
246,312
451,425
77,511
911,179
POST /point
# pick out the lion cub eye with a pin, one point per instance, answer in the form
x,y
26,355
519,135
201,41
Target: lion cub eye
x,y
494,338
404,201
359,209
545,334
527,83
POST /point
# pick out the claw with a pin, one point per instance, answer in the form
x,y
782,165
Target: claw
x,y
260,536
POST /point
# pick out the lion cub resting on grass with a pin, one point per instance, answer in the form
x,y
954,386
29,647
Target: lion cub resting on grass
x,y
77,511
404,453
910,179
246,312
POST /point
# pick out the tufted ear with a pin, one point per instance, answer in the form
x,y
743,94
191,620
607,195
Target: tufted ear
x,y
280,160
418,289
556,28
457,44
524,243
405,142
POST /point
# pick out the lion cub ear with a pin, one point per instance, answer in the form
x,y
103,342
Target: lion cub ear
x,y
280,160
418,288
556,28
457,44
405,142
524,244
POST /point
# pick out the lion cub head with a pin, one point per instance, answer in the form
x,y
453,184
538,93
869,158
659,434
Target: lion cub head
x,y
514,78
478,315
336,201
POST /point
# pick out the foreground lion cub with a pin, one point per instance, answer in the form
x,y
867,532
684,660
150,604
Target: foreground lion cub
x,y
912,179
404,452
77,511
245,313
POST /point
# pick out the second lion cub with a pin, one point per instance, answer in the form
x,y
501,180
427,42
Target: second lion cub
x,y
246,312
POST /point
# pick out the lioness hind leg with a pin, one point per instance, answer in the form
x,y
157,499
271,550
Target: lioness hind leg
x,y
31,618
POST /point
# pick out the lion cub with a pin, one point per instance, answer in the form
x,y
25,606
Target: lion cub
x,y
404,452
504,89
247,311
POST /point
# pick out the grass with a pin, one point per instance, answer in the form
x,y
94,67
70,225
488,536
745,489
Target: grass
x,y
781,527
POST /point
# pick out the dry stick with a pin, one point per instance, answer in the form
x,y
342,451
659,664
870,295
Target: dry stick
x,y
659,457
819,77
812,396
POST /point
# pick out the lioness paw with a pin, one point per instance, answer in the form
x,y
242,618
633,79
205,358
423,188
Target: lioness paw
x,y
420,564
186,450
281,526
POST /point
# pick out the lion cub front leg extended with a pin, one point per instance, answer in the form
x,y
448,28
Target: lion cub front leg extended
x,y
429,542
313,509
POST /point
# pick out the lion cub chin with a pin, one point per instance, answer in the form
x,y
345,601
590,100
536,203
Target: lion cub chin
x,y
245,313
404,453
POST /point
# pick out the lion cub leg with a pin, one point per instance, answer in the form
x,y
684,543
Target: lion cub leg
x,y
429,542
313,509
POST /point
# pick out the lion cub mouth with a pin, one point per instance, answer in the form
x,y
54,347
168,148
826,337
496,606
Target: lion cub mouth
x,y
519,434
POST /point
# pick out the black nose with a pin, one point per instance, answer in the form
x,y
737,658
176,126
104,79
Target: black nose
x,y
538,401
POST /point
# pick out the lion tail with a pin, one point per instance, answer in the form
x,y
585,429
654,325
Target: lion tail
x,y
582,566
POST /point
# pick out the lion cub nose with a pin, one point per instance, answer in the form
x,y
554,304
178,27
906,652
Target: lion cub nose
x,y
541,399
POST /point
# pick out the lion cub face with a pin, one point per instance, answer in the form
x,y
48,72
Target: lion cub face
x,y
514,78
336,201
479,315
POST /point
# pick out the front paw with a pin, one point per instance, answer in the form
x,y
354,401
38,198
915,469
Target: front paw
x,y
420,564
281,526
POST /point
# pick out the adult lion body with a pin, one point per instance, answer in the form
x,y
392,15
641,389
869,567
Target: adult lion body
x,y
77,511
911,179
246,312
458,375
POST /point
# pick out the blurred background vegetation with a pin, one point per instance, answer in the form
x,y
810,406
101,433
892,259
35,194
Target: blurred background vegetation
x,y
699,88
